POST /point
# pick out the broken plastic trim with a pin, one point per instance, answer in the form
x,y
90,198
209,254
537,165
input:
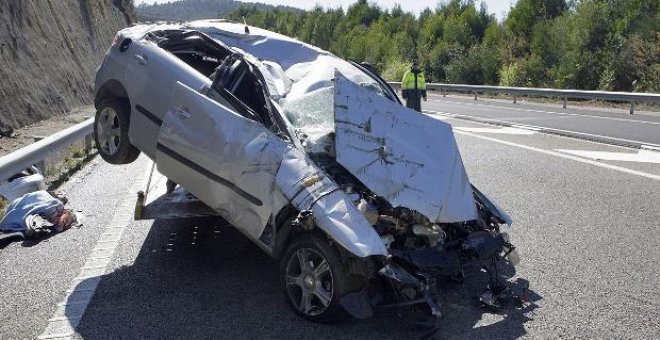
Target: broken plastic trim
x,y
426,288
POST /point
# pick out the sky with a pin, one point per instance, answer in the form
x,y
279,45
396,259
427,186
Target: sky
x,y
497,7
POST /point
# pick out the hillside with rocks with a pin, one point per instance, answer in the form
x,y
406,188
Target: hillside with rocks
x,y
49,51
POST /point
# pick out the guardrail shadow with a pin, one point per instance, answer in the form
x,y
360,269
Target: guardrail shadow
x,y
183,284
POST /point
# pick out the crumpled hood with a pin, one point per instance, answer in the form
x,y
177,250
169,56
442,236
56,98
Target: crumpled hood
x,y
408,158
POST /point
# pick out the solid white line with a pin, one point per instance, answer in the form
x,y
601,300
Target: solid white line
x,y
560,155
550,112
68,335
65,326
539,128
651,148
498,130
63,318
641,156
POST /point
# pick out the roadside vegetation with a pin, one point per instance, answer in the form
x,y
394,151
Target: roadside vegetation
x,y
61,168
587,44
3,206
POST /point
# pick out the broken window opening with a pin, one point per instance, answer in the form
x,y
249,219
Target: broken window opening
x,y
193,48
236,80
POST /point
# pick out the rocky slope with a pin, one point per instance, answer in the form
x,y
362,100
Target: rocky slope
x,y
49,51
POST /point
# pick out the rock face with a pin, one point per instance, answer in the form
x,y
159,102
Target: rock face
x,y
49,51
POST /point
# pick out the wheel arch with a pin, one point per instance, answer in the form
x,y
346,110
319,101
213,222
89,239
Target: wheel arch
x,y
287,232
111,88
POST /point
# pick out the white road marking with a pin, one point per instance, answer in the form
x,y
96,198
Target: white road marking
x,y
62,325
550,112
565,156
539,128
502,130
642,156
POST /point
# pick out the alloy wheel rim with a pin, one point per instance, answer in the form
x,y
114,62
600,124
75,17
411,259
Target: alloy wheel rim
x,y
309,282
108,131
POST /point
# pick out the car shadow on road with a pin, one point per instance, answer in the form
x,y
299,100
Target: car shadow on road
x,y
183,284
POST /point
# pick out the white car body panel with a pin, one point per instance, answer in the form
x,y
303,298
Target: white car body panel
x,y
146,80
408,158
309,188
308,67
226,160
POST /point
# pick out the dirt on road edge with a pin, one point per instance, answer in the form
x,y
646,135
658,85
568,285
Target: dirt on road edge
x,y
26,135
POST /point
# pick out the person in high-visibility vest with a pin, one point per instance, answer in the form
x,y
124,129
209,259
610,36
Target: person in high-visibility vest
x,y
413,87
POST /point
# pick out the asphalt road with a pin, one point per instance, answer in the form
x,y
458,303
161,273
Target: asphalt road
x,y
600,124
586,228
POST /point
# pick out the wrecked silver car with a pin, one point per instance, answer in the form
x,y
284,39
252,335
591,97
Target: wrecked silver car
x,y
365,203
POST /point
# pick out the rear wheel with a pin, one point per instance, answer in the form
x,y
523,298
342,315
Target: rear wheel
x,y
314,279
111,132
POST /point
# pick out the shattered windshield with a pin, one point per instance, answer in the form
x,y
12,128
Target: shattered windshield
x,y
312,115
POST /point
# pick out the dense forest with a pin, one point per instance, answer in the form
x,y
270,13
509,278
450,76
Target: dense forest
x,y
200,9
582,44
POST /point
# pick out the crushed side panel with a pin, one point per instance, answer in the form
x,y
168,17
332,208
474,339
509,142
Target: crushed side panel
x,y
309,188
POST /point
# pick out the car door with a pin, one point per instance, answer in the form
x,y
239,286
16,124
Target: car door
x,y
228,161
151,73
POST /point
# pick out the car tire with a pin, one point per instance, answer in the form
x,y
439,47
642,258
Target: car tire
x,y
303,274
111,132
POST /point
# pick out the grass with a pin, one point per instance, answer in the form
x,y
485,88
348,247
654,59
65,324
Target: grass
x,y
3,206
59,172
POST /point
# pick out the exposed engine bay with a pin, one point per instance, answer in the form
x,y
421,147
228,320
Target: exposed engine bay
x,y
422,252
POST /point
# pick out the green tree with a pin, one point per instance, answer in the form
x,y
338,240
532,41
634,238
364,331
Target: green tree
x,y
586,44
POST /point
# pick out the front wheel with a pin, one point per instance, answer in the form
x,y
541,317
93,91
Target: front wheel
x,y
314,279
111,132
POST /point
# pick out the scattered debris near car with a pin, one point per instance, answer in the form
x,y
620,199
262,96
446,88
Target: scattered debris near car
x,y
364,202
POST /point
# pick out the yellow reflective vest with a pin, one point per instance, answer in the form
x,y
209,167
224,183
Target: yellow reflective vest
x,y
408,81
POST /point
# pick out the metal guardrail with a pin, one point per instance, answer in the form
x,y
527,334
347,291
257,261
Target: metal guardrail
x,y
36,153
631,97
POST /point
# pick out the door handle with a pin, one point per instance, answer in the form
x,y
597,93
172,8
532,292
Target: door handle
x,y
182,112
141,60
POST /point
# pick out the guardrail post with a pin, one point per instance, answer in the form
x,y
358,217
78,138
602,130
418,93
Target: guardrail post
x,y
41,165
514,99
444,93
475,95
565,102
632,107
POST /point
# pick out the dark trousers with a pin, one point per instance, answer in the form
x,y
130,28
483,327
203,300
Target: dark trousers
x,y
413,100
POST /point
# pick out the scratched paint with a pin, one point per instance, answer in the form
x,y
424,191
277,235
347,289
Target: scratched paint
x,y
410,159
